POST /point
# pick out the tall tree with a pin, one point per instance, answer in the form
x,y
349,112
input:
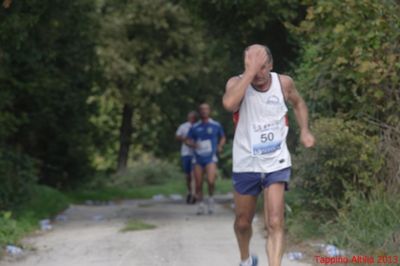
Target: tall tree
x,y
145,47
239,23
47,71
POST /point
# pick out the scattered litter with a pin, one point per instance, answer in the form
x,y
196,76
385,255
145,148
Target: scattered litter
x,y
159,197
97,217
333,251
13,250
61,218
295,255
176,197
233,206
318,247
45,225
100,202
329,250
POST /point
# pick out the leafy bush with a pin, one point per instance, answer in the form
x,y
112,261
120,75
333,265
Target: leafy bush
x,y
368,226
17,176
390,148
9,232
350,59
147,171
43,202
345,160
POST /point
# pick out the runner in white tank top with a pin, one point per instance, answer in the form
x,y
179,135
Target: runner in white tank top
x,y
260,139
261,160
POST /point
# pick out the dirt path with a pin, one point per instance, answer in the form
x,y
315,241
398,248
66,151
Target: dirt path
x,y
91,237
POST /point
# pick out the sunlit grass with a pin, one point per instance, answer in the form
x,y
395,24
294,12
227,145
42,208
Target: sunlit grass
x,y
136,225
176,186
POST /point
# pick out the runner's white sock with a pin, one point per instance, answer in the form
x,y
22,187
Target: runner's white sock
x,y
247,262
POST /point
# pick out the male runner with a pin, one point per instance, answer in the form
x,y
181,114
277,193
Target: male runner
x,y
207,138
261,160
187,154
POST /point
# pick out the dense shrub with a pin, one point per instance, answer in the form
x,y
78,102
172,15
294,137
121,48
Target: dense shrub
x,y
346,159
390,148
43,202
9,231
146,171
368,225
17,176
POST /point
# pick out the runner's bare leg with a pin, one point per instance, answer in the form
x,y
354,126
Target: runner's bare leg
x,y
211,171
198,175
274,204
245,208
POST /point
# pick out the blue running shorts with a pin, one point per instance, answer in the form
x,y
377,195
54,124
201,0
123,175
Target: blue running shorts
x,y
251,183
203,161
187,163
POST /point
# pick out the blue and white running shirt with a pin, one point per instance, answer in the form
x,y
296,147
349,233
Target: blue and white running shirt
x,y
206,135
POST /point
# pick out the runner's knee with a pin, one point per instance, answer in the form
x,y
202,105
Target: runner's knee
x,y
242,223
275,223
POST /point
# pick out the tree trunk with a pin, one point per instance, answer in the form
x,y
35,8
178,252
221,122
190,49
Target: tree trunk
x,y
125,135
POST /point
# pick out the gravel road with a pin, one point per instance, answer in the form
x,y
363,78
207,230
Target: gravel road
x,y
91,235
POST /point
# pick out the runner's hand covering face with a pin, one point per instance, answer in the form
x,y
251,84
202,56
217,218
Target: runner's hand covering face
x,y
255,58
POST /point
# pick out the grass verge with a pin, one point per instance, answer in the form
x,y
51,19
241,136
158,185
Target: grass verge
x,y
223,186
136,225
44,203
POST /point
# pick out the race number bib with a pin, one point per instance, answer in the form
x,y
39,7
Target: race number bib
x,y
204,147
266,138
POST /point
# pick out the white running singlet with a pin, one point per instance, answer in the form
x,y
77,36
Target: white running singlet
x,y
182,131
259,144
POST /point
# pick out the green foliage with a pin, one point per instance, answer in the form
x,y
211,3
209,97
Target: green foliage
x,y
351,58
346,159
18,173
368,225
225,160
302,222
236,24
43,202
349,68
135,225
147,171
10,231
47,71
107,193
154,59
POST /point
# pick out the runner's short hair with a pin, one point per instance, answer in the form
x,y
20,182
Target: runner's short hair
x,y
194,113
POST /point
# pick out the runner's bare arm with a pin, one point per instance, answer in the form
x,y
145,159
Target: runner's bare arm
x,y
180,138
190,142
221,143
300,110
235,88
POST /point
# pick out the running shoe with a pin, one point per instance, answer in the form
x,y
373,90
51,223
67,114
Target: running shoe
x,y
211,205
200,209
188,198
254,261
193,200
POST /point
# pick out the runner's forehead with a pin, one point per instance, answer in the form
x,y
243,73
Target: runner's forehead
x,y
204,105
